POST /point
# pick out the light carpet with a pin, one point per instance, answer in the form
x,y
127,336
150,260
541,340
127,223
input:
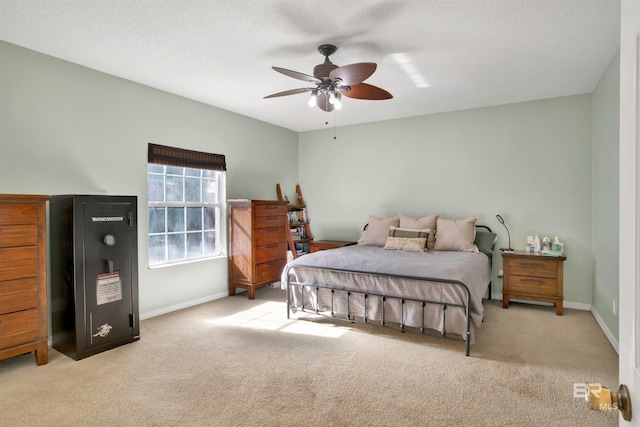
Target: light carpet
x,y
240,362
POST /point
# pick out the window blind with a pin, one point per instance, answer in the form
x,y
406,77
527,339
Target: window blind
x,y
180,157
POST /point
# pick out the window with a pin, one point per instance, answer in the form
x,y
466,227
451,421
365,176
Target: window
x,y
186,206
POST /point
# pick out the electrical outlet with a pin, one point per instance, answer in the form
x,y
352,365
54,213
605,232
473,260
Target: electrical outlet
x,y
614,307
500,274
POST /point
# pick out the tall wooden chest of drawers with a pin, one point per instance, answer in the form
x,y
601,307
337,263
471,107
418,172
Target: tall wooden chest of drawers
x,y
532,276
23,276
257,243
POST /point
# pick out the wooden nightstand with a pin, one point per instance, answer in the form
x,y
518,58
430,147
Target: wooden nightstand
x,y
531,276
321,245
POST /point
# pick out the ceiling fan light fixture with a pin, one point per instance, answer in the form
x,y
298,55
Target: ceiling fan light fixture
x,y
333,81
338,103
313,98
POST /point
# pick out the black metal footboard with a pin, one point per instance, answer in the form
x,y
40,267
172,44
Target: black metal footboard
x,y
355,303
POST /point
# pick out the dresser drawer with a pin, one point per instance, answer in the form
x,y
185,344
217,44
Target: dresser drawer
x,y
269,270
273,220
18,263
18,235
271,210
271,252
16,295
18,328
540,286
533,267
267,236
18,213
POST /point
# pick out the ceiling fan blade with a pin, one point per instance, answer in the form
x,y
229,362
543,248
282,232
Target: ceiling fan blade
x,y
367,91
353,74
289,92
297,75
322,101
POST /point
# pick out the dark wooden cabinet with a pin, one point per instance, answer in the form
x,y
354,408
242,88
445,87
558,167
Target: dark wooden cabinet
x,y
23,276
531,276
257,243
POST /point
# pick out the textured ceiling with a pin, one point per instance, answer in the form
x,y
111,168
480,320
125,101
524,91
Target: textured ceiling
x,y
432,55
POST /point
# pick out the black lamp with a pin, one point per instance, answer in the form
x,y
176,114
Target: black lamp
x,y
501,221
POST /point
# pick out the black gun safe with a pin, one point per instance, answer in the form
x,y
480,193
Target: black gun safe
x,y
94,273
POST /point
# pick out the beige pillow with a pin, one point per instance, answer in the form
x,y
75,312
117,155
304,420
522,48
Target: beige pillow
x,y
406,244
378,230
456,235
407,240
428,222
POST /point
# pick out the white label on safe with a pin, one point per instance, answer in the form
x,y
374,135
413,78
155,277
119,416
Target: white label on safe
x,y
103,330
108,288
107,218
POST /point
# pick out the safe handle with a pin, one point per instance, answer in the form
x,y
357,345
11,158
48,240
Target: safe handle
x,y
110,266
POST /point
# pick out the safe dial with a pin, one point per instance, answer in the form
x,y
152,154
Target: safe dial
x,y
109,240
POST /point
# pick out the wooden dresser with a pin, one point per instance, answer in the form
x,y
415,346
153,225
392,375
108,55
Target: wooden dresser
x,y
23,276
531,276
257,243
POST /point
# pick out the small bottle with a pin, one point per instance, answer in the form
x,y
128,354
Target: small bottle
x,y
546,242
536,244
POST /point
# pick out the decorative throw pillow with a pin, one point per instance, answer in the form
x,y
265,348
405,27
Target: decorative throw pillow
x,y
485,241
428,222
377,231
456,235
407,240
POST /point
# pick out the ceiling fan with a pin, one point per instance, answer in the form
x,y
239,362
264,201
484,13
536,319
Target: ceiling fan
x,y
333,81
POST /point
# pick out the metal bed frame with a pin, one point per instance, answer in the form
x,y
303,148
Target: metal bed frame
x,y
362,317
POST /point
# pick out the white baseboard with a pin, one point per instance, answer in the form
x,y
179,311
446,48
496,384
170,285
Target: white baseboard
x,y
186,304
605,329
565,304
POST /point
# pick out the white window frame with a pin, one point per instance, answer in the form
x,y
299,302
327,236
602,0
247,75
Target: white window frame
x,y
220,249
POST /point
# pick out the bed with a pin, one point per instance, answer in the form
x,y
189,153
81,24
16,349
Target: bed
x,y
435,292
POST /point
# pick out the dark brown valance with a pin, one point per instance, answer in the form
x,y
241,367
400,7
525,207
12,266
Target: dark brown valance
x,y
171,156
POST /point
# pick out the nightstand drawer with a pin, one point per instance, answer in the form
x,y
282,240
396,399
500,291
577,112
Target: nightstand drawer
x,y
540,286
533,267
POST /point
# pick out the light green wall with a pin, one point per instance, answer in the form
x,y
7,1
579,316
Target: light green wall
x,y
606,200
66,129
529,162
